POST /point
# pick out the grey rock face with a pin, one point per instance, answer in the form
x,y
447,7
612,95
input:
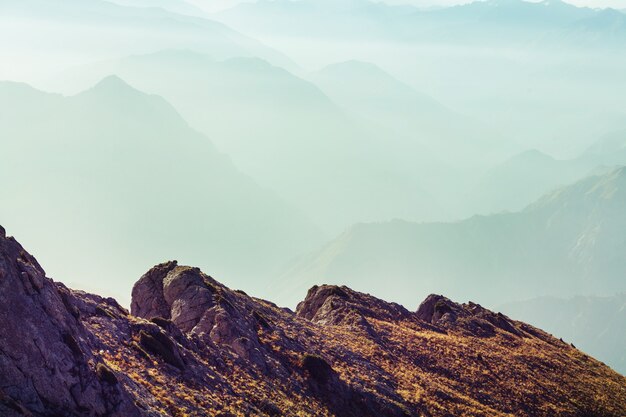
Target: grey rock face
x,y
437,308
47,360
330,304
477,320
147,296
198,305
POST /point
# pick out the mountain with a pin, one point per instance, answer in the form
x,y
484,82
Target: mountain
x,y
61,35
376,96
539,73
570,241
522,179
594,324
121,179
609,150
444,150
192,346
604,30
515,21
286,133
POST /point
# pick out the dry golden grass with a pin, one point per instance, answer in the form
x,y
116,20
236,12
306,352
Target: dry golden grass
x,y
412,365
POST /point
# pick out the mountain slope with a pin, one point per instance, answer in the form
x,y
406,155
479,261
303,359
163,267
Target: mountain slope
x,y
286,133
444,150
594,324
609,150
571,241
524,178
113,167
193,346
376,96
604,30
541,73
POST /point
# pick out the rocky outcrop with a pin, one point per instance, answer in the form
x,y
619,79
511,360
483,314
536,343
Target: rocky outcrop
x,y
48,360
192,347
198,306
331,304
471,317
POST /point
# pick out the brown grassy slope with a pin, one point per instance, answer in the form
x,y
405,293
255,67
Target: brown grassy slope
x,y
212,351
386,360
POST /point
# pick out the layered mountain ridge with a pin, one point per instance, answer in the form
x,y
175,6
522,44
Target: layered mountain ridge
x,y
193,347
123,165
570,241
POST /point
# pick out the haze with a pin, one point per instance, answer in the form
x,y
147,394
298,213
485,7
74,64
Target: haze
x,y
401,147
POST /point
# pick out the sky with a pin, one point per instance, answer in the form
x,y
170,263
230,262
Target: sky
x,y
618,4
216,5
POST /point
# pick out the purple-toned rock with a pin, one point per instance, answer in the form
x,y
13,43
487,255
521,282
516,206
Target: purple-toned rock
x,y
47,361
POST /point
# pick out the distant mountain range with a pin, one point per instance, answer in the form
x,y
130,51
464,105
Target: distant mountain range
x,y
117,177
192,346
523,178
515,183
486,22
288,134
606,29
594,324
571,241
426,125
546,75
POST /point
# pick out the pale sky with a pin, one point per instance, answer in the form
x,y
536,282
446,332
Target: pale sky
x,y
618,4
215,5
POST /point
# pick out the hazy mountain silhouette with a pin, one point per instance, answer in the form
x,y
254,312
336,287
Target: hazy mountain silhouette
x,y
570,241
542,74
603,30
608,150
118,179
523,178
287,134
520,180
444,149
491,22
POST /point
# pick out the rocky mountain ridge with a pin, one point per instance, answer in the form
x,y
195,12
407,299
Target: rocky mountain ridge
x,y
193,347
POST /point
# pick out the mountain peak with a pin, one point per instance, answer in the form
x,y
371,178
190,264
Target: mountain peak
x,y
607,190
113,84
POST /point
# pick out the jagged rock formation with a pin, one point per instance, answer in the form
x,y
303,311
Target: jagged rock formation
x,y
192,347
